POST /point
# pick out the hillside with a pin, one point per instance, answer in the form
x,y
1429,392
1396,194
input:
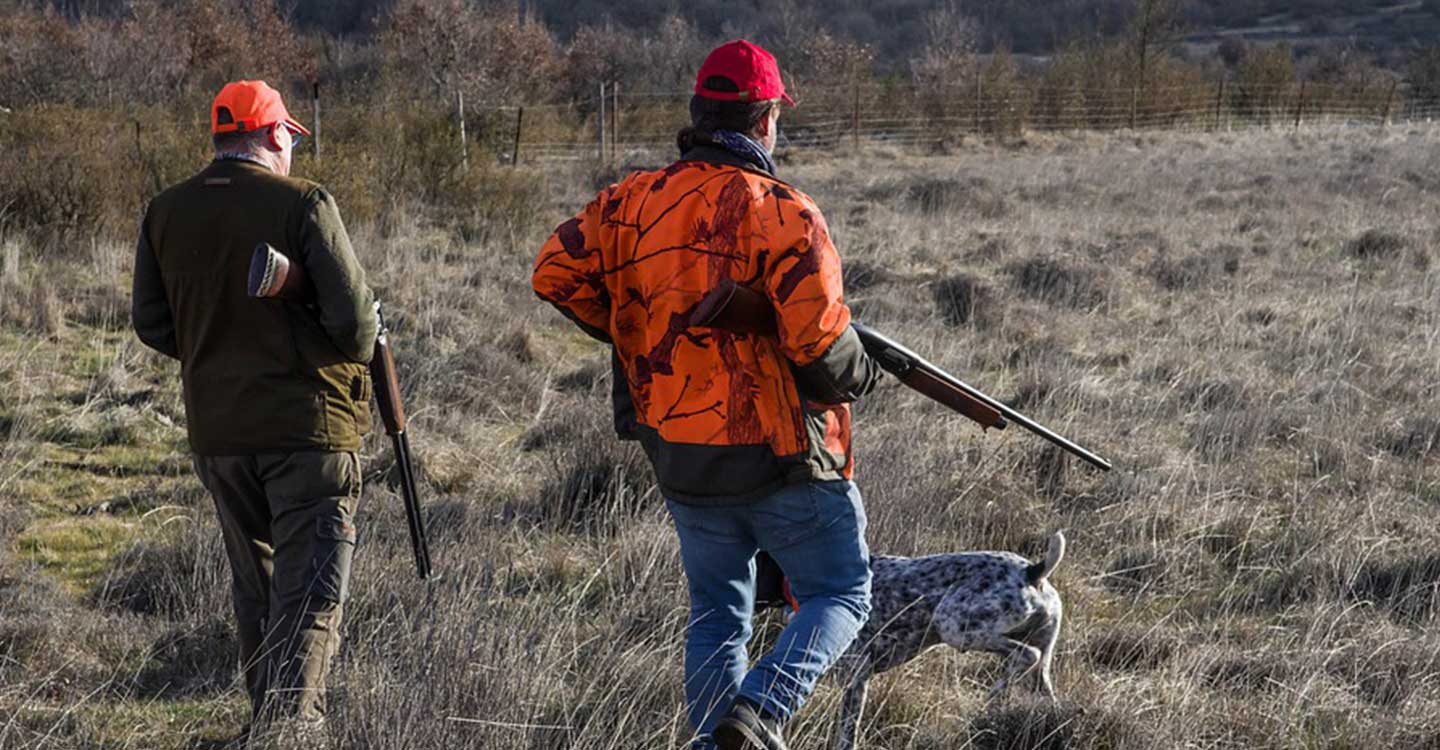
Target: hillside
x,y
896,29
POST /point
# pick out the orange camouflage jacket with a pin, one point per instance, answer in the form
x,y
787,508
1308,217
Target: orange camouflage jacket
x,y
725,418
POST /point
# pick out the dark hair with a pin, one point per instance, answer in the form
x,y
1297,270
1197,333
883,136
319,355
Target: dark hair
x,y
713,114
709,115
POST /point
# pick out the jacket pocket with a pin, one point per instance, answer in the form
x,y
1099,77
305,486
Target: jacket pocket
x,y
361,391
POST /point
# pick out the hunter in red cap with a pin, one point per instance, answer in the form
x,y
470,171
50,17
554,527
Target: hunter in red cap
x,y
749,434
276,394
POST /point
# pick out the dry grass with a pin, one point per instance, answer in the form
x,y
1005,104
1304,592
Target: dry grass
x,y
1245,324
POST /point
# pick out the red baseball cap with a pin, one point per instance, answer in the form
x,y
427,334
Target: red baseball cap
x,y
249,105
753,70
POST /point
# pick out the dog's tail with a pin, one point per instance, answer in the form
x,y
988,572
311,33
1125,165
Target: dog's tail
x,y
1039,571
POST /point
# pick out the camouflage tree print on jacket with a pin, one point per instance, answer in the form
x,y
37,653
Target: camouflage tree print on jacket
x,y
720,414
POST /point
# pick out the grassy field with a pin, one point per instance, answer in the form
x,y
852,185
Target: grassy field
x,y
1245,324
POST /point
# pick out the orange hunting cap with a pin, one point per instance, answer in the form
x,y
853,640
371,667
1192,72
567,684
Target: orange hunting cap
x,y
249,105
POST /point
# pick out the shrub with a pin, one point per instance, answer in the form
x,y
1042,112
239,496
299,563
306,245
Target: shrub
x,y
184,578
1058,282
1418,437
1136,570
1406,587
1186,273
1131,648
946,195
1228,434
963,300
190,661
1425,74
1264,84
1056,727
1376,244
1216,395
593,481
861,275
1383,672
1248,672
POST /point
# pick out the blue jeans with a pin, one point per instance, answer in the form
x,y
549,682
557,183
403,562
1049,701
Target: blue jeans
x,y
816,532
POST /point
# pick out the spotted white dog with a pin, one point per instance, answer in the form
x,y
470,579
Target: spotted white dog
x,y
974,601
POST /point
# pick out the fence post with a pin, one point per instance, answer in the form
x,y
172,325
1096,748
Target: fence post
x,y
315,126
139,164
464,143
1219,102
1300,106
515,153
614,120
979,93
1390,100
855,124
600,122
1134,104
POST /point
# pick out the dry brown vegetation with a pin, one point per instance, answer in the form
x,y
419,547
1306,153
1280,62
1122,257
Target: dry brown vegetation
x,y
1246,324
99,106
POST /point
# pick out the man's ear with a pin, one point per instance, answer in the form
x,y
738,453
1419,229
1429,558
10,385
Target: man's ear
x,y
275,137
767,122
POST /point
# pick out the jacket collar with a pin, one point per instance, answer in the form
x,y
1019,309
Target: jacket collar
x,y
697,145
234,164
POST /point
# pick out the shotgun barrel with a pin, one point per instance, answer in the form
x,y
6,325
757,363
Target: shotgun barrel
x,y
392,414
899,361
739,309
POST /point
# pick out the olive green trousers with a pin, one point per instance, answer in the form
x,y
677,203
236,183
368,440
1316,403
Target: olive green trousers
x,y
287,523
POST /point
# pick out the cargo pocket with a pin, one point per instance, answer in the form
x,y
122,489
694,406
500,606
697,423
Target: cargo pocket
x,y
330,563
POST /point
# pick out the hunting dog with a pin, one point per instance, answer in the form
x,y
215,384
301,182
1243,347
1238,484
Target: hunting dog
x,y
973,601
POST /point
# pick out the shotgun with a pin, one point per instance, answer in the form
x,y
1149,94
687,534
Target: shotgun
x,y
739,309
272,275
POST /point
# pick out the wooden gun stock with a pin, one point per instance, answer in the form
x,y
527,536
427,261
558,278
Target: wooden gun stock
x,y
273,276
743,310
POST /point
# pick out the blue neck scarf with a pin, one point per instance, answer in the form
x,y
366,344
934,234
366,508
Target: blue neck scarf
x,y
746,148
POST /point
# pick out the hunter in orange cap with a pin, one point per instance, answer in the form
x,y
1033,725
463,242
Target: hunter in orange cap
x,y
277,394
252,111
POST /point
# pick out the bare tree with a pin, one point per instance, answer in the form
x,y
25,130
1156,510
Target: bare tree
x,y
949,53
1154,26
486,53
1424,76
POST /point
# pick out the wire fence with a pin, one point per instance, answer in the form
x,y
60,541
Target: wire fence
x,y
628,126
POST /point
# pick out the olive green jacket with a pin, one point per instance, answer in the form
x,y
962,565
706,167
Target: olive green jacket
x,y
259,375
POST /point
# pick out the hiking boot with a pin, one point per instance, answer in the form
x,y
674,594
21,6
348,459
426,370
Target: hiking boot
x,y
747,727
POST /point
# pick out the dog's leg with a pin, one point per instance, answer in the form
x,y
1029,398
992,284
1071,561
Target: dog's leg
x,y
1020,659
852,707
1046,639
